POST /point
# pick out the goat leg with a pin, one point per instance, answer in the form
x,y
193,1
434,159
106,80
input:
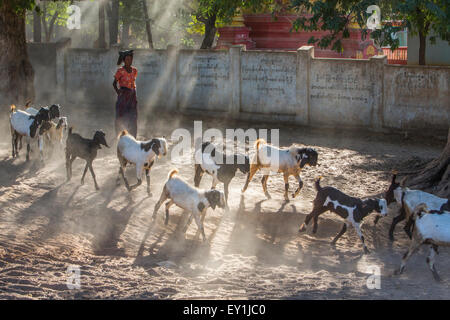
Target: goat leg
x,y
124,179
300,186
251,173
396,220
264,185
162,198
413,247
93,176
198,175
147,176
343,230
430,261
84,173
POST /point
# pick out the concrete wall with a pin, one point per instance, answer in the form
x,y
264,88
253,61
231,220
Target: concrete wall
x,y
291,87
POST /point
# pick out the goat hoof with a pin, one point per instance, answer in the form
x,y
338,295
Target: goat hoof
x,y
302,228
391,237
150,194
366,251
97,188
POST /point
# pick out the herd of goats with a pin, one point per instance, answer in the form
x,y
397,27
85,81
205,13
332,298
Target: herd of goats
x,y
427,216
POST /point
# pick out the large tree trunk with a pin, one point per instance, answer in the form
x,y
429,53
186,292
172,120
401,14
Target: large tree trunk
x,y
101,42
113,15
36,27
147,24
435,177
125,41
422,48
210,31
16,71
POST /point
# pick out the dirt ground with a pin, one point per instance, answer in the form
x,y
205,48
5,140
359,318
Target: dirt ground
x,y
254,251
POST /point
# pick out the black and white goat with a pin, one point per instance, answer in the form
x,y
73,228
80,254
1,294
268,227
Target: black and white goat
x,y
77,146
140,153
409,199
54,111
193,200
289,161
432,228
354,210
221,167
25,124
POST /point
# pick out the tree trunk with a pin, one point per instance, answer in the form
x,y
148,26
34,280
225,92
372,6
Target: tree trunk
x,y
16,71
435,177
37,31
422,47
147,24
210,32
125,35
101,43
113,22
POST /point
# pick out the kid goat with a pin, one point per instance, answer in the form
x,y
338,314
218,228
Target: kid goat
x,y
409,199
141,153
223,172
431,227
289,161
350,208
193,200
77,146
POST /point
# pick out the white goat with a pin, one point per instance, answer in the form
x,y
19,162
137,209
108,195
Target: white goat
x,y
25,124
430,227
196,201
289,161
141,153
408,200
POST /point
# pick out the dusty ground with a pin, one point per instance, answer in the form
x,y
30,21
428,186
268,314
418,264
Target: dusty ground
x,y
254,251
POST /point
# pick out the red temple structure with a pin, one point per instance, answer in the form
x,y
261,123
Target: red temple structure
x,y
262,32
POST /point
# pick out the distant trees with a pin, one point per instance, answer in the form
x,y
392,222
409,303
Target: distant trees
x,y
421,17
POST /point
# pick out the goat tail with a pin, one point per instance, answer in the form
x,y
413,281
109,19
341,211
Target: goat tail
x,y
122,133
171,173
258,142
12,108
317,184
27,104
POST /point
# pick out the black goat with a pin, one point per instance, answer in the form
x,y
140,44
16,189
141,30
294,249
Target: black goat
x,y
77,146
350,208
223,172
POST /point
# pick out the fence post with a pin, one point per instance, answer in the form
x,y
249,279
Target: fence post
x,y
304,56
235,78
377,64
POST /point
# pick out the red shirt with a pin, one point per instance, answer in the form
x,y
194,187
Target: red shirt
x,y
126,79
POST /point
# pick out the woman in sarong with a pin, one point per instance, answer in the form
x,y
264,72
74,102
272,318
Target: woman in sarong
x,y
126,105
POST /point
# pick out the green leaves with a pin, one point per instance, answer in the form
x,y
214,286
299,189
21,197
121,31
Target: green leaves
x,y
336,16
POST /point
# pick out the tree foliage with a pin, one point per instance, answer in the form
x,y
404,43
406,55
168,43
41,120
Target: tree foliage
x,y
419,16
